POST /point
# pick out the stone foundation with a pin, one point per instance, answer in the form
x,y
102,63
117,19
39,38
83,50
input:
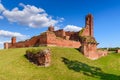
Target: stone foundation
x,y
41,58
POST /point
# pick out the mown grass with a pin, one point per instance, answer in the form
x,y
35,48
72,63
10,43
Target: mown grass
x,y
67,64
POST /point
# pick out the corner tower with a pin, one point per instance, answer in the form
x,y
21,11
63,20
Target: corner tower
x,y
88,29
89,24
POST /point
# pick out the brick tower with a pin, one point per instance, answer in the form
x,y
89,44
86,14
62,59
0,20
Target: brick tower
x,y
88,30
13,40
88,42
89,24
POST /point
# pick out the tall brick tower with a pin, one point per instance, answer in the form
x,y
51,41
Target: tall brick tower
x,y
89,24
13,40
88,42
88,29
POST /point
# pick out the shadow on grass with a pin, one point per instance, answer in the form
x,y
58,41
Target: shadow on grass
x,y
78,49
89,70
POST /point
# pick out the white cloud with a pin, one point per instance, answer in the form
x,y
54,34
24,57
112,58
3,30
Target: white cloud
x,y
1,17
60,19
56,28
72,28
29,15
8,34
2,8
2,43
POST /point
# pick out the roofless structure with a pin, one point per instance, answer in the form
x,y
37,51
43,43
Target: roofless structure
x,y
84,40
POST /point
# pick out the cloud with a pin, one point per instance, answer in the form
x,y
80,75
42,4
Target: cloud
x,y
30,16
56,28
2,43
72,28
2,8
1,17
8,34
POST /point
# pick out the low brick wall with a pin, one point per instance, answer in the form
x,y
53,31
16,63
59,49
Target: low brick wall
x,y
118,51
97,54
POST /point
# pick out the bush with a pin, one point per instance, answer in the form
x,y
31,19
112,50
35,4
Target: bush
x,y
33,51
113,49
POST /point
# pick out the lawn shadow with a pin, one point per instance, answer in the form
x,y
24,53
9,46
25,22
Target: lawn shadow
x,y
89,70
78,49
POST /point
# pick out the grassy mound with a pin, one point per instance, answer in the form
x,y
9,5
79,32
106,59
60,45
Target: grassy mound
x,y
67,64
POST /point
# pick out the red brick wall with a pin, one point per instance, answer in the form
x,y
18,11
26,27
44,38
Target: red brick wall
x,y
52,40
47,39
67,43
88,48
60,37
34,41
60,33
85,31
73,35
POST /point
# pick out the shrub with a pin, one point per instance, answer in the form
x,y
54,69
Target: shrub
x,y
33,51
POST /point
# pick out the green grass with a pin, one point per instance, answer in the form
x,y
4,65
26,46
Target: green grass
x,y
67,64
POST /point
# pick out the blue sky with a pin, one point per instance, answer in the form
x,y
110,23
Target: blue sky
x,y
26,18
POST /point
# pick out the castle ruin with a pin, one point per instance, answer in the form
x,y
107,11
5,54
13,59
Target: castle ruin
x,y
84,40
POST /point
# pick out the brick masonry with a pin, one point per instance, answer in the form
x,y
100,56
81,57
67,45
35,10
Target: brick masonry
x,y
83,39
41,58
88,43
118,51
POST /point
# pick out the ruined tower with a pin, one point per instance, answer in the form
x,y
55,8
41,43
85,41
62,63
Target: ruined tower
x,y
89,24
88,30
84,39
88,42
13,40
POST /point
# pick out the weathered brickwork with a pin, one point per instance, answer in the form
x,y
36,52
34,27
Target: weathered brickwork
x,y
118,51
88,43
83,39
41,57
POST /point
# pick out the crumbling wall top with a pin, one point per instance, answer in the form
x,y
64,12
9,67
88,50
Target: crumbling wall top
x,y
51,28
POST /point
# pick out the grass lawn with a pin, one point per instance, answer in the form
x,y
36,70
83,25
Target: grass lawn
x,y
67,64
